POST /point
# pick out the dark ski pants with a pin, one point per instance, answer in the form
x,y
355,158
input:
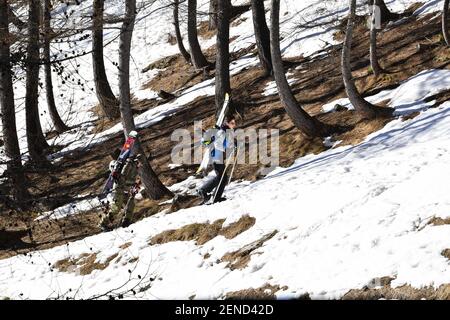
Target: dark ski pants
x,y
213,182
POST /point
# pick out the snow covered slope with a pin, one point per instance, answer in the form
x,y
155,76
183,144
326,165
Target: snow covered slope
x,y
343,218
150,43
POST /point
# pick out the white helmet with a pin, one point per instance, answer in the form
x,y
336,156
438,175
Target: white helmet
x,y
133,134
112,164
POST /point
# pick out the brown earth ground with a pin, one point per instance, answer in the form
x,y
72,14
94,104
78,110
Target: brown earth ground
x,y
381,289
203,232
405,50
266,292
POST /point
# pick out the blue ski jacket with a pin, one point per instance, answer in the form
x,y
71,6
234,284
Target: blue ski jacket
x,y
219,141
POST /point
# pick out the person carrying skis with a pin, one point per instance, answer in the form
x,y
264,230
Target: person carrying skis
x,y
124,191
222,145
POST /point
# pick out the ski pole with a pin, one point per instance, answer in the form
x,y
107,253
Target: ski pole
x,y
221,179
234,165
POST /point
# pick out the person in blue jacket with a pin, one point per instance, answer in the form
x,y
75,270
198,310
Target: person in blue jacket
x,y
222,144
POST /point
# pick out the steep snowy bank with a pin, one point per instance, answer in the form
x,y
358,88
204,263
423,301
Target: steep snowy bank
x,y
343,218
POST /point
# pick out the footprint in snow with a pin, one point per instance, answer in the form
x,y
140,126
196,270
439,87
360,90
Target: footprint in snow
x,y
377,191
256,268
375,242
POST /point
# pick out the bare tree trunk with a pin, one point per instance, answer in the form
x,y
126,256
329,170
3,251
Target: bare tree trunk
x,y
60,127
37,144
364,108
377,70
445,23
198,59
262,35
213,8
9,131
386,14
105,96
302,120
155,189
223,53
176,23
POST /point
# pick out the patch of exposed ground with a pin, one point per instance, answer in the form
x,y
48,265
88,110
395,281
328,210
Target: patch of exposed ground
x,y
178,75
102,123
200,232
446,253
125,245
9,238
360,131
84,264
183,202
175,73
147,207
236,228
133,260
204,232
124,263
20,234
204,32
381,289
239,259
162,63
45,234
410,116
266,292
437,221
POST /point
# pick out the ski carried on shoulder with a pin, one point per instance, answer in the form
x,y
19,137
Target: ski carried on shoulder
x,y
220,119
223,112
125,153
